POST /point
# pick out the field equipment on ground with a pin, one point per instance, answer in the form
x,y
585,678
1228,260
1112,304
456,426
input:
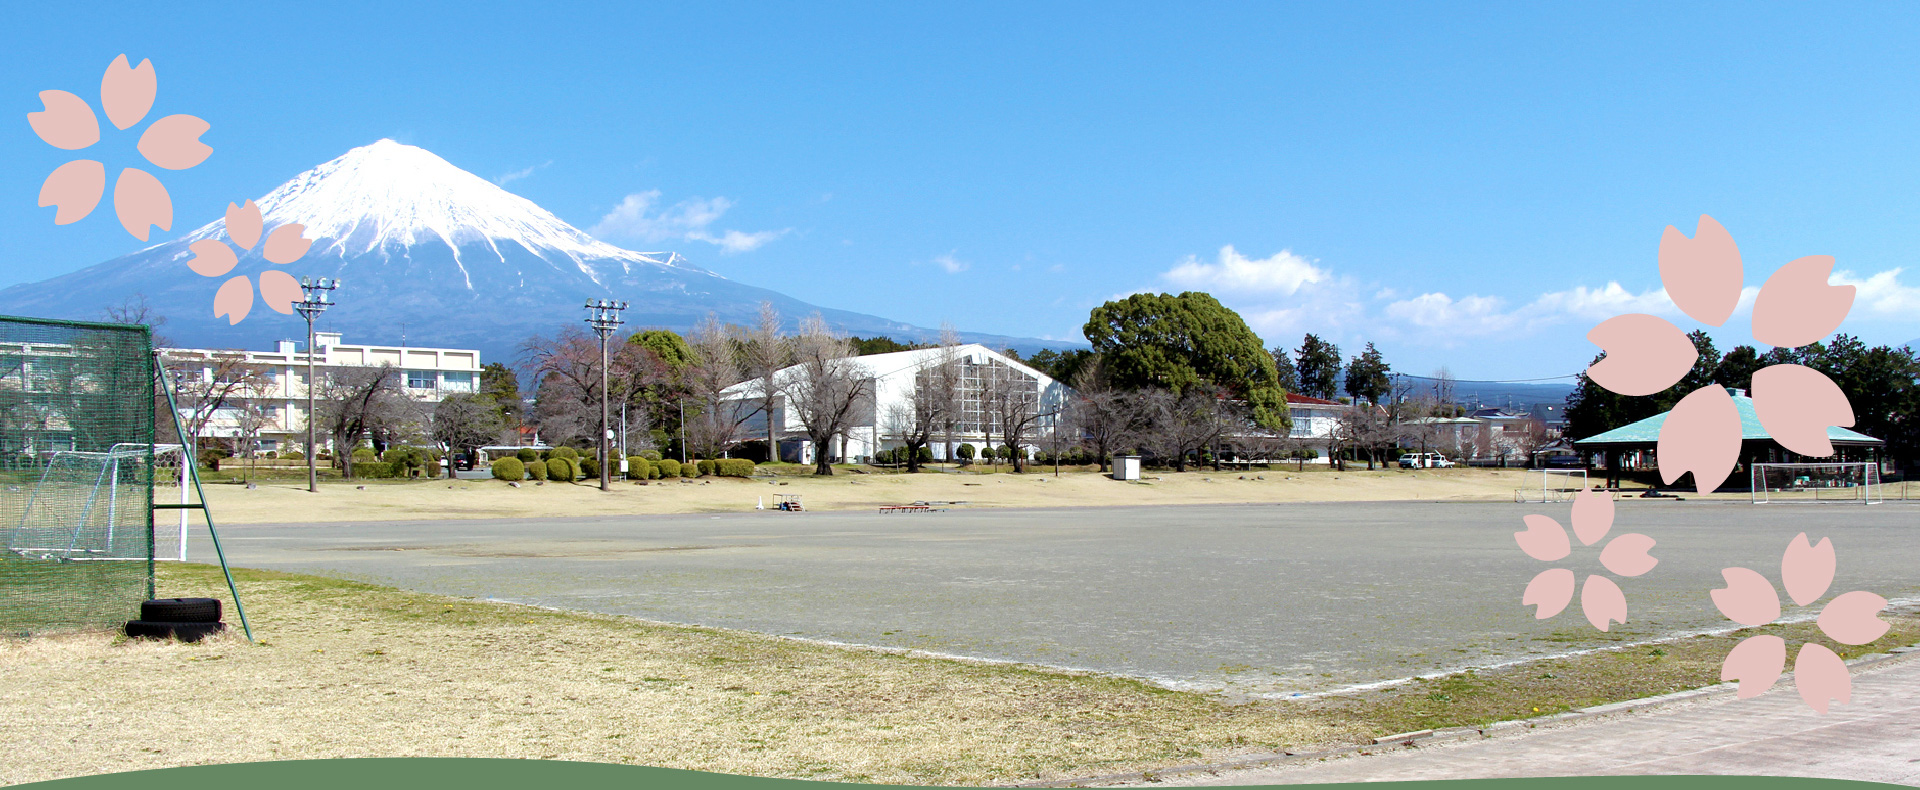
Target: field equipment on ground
x,y
1556,485
1816,482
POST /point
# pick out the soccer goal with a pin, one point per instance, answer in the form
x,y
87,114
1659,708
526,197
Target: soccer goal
x,y
1556,485
1817,482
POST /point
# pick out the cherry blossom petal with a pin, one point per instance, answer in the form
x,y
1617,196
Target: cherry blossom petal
x,y
1702,436
67,123
284,244
1757,663
1806,571
1645,354
1552,590
141,202
128,92
1748,599
279,290
174,143
1592,515
1544,540
76,188
1796,306
1796,404
1702,274
1601,600
211,258
243,224
1853,618
1627,555
234,299
1821,676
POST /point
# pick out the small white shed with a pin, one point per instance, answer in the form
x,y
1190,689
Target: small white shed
x,y
1126,467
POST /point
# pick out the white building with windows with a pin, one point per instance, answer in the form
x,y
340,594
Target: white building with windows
x,y
891,380
1314,418
279,402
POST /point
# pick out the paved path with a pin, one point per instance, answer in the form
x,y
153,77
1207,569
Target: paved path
x,y
1876,738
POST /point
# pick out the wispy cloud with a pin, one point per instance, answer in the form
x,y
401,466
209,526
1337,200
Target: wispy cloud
x,y
951,263
1282,273
1881,295
508,178
640,217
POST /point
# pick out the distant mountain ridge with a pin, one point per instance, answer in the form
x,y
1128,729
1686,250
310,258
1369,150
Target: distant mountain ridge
x,y
432,255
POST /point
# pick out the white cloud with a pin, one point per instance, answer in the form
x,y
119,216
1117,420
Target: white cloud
x,y
1282,273
1882,295
639,217
951,264
1473,315
508,178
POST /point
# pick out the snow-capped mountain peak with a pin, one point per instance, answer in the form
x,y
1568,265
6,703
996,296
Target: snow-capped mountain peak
x,y
389,194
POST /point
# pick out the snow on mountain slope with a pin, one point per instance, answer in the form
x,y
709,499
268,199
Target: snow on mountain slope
x,y
434,255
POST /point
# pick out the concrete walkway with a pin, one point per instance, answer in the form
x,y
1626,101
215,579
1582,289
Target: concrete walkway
x,y
1876,738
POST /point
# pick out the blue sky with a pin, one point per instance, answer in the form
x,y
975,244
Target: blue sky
x,y
1468,186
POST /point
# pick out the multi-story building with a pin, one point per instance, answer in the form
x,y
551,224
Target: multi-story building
x,y
272,404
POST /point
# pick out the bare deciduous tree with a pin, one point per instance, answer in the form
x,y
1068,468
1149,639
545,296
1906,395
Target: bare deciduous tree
x,y
765,353
1179,425
915,419
356,403
465,423
567,369
714,424
203,388
826,388
1108,419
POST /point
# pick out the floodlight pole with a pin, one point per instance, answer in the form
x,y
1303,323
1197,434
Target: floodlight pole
x,y
313,302
604,317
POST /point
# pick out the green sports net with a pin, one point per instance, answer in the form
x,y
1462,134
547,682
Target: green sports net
x,y
76,474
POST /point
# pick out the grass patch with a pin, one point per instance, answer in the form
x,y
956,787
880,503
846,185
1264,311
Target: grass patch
x,y
345,669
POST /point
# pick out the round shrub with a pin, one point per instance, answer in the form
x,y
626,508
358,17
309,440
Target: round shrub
x,y
537,470
669,467
1005,452
590,468
653,470
433,467
363,454
564,452
636,468
651,455
703,467
293,455
375,469
561,469
509,469
733,467
527,455
965,452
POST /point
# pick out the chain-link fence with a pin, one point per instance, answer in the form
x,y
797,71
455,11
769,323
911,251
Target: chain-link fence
x,y
76,473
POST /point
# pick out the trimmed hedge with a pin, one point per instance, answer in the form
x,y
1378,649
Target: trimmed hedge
x,y
293,455
965,452
653,471
637,467
561,470
704,467
364,454
375,469
733,467
563,452
651,455
527,455
509,469
669,467
590,468
537,470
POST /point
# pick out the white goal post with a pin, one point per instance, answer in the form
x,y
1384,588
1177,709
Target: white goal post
x,y
1816,482
1556,485
92,506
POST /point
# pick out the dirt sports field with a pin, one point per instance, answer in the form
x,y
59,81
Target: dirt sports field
x,y
282,501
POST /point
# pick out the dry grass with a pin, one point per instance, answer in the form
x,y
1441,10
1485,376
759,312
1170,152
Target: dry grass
x,y
286,502
351,670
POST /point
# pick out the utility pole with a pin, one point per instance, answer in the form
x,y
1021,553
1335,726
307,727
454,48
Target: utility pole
x,y
604,317
313,302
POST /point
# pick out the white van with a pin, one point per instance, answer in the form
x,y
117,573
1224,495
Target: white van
x,y
1424,461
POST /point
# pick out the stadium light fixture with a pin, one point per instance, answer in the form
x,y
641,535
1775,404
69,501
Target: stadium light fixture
x,y
604,316
314,300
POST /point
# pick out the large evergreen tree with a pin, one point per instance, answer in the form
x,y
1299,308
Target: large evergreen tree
x,y
1288,375
1318,362
1186,341
1367,376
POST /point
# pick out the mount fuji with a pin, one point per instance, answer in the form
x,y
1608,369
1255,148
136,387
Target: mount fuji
x,y
430,255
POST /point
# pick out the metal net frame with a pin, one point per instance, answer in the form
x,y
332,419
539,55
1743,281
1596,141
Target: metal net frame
x,y
1846,482
1556,485
77,417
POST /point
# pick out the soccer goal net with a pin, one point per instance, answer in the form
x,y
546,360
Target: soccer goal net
x,y
1817,482
1556,485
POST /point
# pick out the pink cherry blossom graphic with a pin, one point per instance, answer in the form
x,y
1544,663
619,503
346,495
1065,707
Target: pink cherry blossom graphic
x,y
1601,600
1757,662
139,199
1646,354
213,258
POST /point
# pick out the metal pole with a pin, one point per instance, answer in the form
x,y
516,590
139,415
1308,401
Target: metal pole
x,y
605,473
604,316
313,302
313,474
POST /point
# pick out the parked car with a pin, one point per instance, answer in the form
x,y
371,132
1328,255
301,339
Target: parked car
x,y
1424,461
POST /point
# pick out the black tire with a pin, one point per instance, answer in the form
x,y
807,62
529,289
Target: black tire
x,y
181,610
185,632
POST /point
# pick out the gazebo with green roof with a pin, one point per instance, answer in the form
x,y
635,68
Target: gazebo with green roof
x,y
1756,445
